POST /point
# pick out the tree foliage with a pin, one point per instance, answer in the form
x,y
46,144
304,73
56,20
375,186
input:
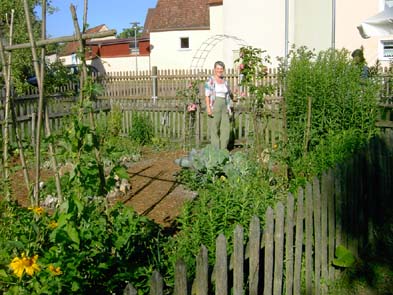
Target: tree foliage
x,y
21,58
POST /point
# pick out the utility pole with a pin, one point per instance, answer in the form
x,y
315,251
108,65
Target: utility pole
x,y
136,49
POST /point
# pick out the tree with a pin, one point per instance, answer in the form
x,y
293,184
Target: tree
x,y
130,32
21,59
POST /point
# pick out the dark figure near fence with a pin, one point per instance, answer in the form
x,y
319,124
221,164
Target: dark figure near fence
x,y
218,106
358,59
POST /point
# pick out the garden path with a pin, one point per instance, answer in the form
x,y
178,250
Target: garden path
x,y
154,193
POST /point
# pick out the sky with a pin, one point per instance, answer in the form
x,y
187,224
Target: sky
x,y
115,14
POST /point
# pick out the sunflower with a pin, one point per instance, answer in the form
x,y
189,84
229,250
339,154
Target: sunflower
x,y
56,271
24,264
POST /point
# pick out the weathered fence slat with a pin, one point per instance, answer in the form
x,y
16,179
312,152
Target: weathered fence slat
x,y
317,231
180,278
130,290
156,284
254,254
324,230
200,286
309,239
289,246
331,224
238,260
268,239
221,266
298,244
278,249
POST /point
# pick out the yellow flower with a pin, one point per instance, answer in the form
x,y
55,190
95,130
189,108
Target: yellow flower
x,y
24,264
275,146
223,178
56,271
37,210
52,224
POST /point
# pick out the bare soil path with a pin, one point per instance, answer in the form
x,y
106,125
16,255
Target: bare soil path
x,y
154,193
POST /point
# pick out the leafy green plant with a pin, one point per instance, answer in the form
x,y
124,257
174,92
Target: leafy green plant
x,y
83,247
343,257
142,129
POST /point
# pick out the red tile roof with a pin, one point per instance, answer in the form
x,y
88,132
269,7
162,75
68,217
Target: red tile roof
x,y
172,15
72,47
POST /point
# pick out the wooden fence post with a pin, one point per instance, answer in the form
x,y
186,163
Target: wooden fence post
x,y
202,269
298,244
156,284
278,248
289,223
238,260
221,266
154,81
180,278
254,254
268,239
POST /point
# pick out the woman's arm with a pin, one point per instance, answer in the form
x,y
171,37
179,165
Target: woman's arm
x,y
208,107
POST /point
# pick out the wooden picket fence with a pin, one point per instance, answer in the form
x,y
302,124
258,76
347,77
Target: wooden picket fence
x,y
169,118
293,253
139,85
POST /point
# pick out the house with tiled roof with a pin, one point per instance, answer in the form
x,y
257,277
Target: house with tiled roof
x,y
68,54
181,31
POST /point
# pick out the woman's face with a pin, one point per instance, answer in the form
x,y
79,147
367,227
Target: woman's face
x,y
219,70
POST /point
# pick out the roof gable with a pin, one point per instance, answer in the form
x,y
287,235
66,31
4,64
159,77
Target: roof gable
x,y
178,15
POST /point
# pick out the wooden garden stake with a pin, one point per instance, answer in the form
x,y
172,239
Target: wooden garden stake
x,y
6,124
83,79
13,114
52,152
40,83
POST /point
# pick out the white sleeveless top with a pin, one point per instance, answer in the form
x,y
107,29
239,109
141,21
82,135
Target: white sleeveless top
x,y
221,90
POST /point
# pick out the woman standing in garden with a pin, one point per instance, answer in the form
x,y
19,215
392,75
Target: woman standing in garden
x,y
218,106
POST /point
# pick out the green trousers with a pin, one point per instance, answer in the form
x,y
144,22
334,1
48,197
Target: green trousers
x,y
219,124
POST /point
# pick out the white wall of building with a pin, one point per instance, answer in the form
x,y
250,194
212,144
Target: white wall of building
x,y
347,34
313,23
260,23
167,54
122,64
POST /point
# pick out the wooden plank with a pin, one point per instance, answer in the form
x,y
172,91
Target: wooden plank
x,y
156,284
130,290
309,239
200,286
289,245
317,230
278,249
338,202
331,224
254,255
221,266
324,229
238,260
180,278
298,244
268,240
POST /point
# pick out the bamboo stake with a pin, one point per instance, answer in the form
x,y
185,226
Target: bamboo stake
x,y
52,152
36,191
14,119
83,78
7,188
64,39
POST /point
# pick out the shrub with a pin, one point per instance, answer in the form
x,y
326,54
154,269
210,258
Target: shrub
x,y
142,129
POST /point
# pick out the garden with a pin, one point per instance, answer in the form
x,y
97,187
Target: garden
x,y
83,242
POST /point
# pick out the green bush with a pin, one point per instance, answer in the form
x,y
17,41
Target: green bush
x,y
343,106
84,247
142,129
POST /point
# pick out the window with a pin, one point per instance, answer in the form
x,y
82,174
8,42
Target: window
x,y
184,42
134,47
387,49
388,3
